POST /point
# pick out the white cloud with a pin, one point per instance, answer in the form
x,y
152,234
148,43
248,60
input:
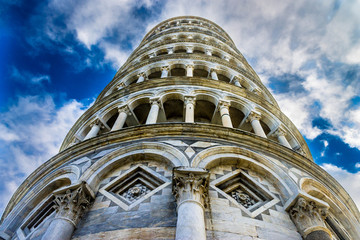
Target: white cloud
x,y
27,77
114,54
32,131
7,134
298,109
350,181
326,143
109,25
357,165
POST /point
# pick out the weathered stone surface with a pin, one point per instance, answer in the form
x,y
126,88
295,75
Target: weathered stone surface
x,y
133,233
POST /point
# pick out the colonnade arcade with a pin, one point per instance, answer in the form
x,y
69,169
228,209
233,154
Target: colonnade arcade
x,y
72,194
197,69
197,107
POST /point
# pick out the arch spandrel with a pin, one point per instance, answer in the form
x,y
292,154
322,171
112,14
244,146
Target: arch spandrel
x,y
230,155
155,151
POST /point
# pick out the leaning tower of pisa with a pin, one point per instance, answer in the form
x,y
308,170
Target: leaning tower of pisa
x,y
185,142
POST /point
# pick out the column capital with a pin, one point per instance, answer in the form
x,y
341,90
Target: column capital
x,y
207,51
120,85
254,116
142,74
213,70
125,109
151,55
280,131
190,184
256,91
224,104
165,68
70,203
190,66
98,122
189,99
189,49
308,217
170,50
154,101
235,78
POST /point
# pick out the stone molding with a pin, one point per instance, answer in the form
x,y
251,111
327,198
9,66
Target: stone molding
x,y
308,217
72,202
190,184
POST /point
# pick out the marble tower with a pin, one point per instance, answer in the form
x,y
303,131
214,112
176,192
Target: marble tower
x,y
185,142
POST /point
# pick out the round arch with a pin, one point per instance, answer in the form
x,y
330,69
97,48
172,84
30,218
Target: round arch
x,y
220,155
149,150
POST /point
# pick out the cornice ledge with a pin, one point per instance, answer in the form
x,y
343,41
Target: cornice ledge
x,y
235,136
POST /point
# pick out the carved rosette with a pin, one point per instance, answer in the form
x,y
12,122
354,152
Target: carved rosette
x,y
308,217
71,204
190,185
136,192
243,198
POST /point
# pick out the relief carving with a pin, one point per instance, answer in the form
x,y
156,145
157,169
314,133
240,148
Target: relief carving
x,y
72,204
243,198
136,192
308,217
190,185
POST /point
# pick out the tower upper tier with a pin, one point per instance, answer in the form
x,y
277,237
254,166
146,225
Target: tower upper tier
x,y
181,60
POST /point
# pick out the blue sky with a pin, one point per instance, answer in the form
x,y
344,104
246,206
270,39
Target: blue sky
x,y
57,55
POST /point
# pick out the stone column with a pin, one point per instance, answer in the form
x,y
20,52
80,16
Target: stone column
x,y
95,128
226,58
154,111
254,119
164,71
280,133
309,220
189,49
141,77
213,74
124,111
170,50
208,52
189,70
189,108
236,82
190,188
70,205
224,113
